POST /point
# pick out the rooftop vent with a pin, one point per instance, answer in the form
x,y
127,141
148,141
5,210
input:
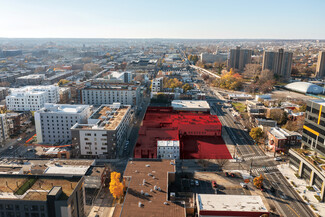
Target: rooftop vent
x,y
148,165
140,204
165,203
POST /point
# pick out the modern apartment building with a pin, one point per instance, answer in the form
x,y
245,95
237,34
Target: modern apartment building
x,y
157,84
31,98
4,129
278,62
109,93
320,69
239,58
54,121
42,196
105,132
307,161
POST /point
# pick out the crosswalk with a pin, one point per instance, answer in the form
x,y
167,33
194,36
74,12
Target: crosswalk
x,y
255,157
263,169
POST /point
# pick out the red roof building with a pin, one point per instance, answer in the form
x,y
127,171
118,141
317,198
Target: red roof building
x,y
199,134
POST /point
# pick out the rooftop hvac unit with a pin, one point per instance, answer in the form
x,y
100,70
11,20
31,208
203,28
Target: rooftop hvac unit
x,y
140,204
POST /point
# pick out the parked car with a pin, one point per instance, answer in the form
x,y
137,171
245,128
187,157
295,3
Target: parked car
x,y
197,183
278,159
192,183
11,147
19,139
243,185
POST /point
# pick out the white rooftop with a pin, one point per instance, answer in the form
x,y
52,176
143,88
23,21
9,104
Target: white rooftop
x,y
69,170
242,203
170,143
63,108
190,104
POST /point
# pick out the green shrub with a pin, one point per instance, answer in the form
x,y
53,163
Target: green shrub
x,y
317,197
310,188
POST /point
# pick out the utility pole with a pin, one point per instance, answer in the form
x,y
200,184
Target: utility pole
x,y
250,170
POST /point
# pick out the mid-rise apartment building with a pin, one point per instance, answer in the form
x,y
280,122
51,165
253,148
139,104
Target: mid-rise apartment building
x,y
109,93
54,121
320,68
42,196
168,149
307,161
157,84
278,62
105,132
239,58
4,129
31,98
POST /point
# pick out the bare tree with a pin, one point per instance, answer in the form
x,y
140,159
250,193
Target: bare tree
x,y
252,70
222,163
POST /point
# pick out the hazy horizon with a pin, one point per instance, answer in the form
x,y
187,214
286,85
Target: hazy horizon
x,y
126,19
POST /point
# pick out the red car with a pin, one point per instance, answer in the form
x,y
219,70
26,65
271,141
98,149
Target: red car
x,y
214,184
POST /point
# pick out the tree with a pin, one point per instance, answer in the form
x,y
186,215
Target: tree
x,y
205,77
256,133
230,80
303,107
139,77
279,116
258,181
252,71
266,75
186,87
115,186
222,163
63,82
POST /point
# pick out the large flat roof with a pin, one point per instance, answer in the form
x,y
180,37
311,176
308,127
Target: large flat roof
x,y
190,105
63,108
152,203
26,187
241,203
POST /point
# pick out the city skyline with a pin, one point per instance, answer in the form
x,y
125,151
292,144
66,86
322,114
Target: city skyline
x,y
146,19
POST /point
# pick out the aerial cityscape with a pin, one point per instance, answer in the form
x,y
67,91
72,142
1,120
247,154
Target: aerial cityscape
x,y
143,108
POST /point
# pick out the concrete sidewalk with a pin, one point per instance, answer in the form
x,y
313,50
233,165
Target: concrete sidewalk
x,y
300,187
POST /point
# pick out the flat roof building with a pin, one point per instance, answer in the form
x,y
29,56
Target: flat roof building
x,y
230,205
191,105
54,121
48,196
147,183
104,133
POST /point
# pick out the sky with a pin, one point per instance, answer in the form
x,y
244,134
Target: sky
x,y
192,19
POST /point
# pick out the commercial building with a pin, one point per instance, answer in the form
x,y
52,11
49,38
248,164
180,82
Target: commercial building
x,y
126,94
211,58
148,192
281,139
168,149
307,161
105,132
191,105
120,77
198,134
230,205
320,68
157,84
43,196
4,129
239,58
33,79
278,62
31,98
54,121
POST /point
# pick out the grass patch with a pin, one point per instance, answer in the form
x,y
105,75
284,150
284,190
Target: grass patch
x,y
313,207
27,185
317,197
310,188
240,107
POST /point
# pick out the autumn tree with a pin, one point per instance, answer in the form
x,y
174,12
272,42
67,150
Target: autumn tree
x,y
279,116
258,181
172,83
63,82
186,87
230,80
252,71
205,77
256,133
115,186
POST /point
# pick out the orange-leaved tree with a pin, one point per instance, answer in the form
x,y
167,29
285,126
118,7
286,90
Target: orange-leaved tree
x,y
115,186
258,181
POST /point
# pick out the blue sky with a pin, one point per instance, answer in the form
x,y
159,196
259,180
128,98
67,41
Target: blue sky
x,y
212,19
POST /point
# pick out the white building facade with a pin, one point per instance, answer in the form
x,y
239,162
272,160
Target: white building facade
x,y
105,132
32,98
54,121
112,93
157,85
4,129
168,149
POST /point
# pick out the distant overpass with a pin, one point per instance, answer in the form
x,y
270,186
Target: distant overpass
x,y
205,71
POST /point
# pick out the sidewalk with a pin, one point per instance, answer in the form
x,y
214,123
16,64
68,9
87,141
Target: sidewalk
x,y
300,187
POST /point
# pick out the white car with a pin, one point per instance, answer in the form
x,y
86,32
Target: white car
x,y
278,159
19,139
11,147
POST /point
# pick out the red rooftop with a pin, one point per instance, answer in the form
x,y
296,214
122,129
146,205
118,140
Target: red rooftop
x,y
198,133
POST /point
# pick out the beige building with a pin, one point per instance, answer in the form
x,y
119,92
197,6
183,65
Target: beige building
x,y
320,69
239,58
278,62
